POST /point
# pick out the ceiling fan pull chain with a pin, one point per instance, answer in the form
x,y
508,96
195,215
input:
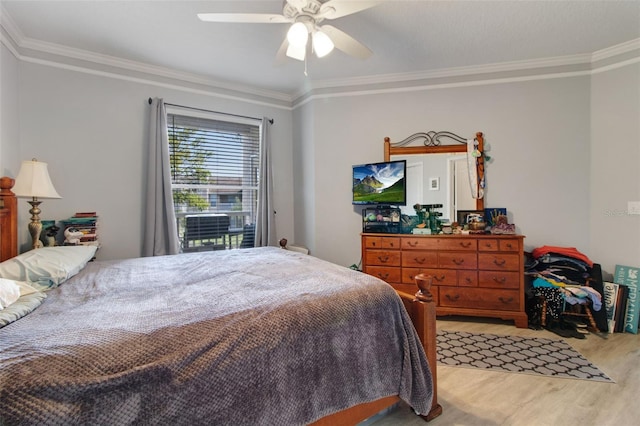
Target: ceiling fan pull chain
x,y
305,66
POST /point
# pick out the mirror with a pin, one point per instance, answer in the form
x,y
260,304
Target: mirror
x,y
438,171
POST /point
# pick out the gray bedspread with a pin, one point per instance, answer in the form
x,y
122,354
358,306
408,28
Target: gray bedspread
x,y
257,337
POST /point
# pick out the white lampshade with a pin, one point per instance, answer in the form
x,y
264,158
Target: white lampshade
x,y
297,52
33,181
322,44
298,34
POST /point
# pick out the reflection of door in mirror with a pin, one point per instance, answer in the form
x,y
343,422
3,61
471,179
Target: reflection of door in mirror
x,y
461,198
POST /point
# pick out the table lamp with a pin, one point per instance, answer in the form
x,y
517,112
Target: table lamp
x,y
33,181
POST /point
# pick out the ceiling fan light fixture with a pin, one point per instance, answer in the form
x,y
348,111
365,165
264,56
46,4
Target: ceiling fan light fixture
x,y
297,52
322,44
298,34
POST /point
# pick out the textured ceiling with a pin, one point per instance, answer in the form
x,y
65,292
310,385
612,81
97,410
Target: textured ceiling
x,y
405,36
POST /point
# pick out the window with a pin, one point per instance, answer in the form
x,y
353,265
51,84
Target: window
x,y
214,178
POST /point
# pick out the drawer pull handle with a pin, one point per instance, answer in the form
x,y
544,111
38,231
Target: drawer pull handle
x,y
488,245
505,299
499,262
458,261
412,243
373,244
468,280
440,278
465,244
500,280
509,245
420,261
453,298
383,259
383,276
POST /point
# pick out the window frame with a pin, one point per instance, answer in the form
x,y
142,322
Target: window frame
x,y
234,230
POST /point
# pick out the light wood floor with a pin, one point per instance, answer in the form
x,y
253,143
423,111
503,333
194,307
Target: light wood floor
x,y
477,397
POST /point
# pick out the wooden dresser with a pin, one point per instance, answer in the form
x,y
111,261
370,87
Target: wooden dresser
x,y
476,275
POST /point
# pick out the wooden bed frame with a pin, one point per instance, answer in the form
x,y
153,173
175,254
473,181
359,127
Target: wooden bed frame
x,y
421,309
8,220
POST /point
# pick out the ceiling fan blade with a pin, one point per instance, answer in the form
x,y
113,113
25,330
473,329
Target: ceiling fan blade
x,y
246,18
281,56
346,43
338,8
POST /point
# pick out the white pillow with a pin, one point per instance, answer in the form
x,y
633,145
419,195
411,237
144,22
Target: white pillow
x,y
47,267
9,292
25,288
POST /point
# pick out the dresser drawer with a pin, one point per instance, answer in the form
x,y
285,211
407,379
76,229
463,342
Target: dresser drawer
x,y
476,298
499,261
499,279
509,245
467,278
382,242
489,244
466,244
382,257
457,260
419,243
420,259
390,275
440,276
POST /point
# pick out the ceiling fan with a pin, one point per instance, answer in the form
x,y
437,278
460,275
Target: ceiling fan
x,y
305,17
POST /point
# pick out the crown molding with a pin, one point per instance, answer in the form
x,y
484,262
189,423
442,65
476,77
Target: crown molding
x,y
618,49
542,64
350,83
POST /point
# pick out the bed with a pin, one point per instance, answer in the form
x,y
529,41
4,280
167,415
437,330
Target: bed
x,y
251,336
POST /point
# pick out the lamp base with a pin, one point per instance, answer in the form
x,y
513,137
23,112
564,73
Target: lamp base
x,y
35,226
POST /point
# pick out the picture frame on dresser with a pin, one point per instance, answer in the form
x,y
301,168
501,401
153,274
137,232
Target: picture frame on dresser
x,y
462,215
492,213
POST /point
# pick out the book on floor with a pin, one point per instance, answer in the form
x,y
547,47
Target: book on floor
x,y
610,298
628,276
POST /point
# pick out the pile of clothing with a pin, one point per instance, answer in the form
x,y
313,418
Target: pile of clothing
x,y
562,278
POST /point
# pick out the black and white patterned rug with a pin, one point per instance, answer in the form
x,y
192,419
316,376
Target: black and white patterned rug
x,y
514,354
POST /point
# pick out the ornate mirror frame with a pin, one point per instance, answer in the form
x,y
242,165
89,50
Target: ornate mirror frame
x,y
434,143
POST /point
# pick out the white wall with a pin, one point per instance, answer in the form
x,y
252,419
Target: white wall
x,y
536,131
304,165
615,166
9,117
92,131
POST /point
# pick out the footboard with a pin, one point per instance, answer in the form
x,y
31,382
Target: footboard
x,y
422,310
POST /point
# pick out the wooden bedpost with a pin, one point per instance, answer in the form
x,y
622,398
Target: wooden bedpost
x,y
422,310
8,220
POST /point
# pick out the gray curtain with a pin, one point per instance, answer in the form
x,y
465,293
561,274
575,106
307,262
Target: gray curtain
x,y
265,218
160,232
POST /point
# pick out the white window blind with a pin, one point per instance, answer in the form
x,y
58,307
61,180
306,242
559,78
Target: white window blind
x,y
214,177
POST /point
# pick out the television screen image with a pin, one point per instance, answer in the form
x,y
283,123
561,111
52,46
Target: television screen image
x,y
380,183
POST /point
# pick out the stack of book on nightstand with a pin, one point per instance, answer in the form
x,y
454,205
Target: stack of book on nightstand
x,y
85,223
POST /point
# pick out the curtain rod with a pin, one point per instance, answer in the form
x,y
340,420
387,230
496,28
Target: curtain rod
x,y
215,112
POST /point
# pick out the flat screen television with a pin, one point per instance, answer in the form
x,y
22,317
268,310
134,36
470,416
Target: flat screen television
x,y
380,183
